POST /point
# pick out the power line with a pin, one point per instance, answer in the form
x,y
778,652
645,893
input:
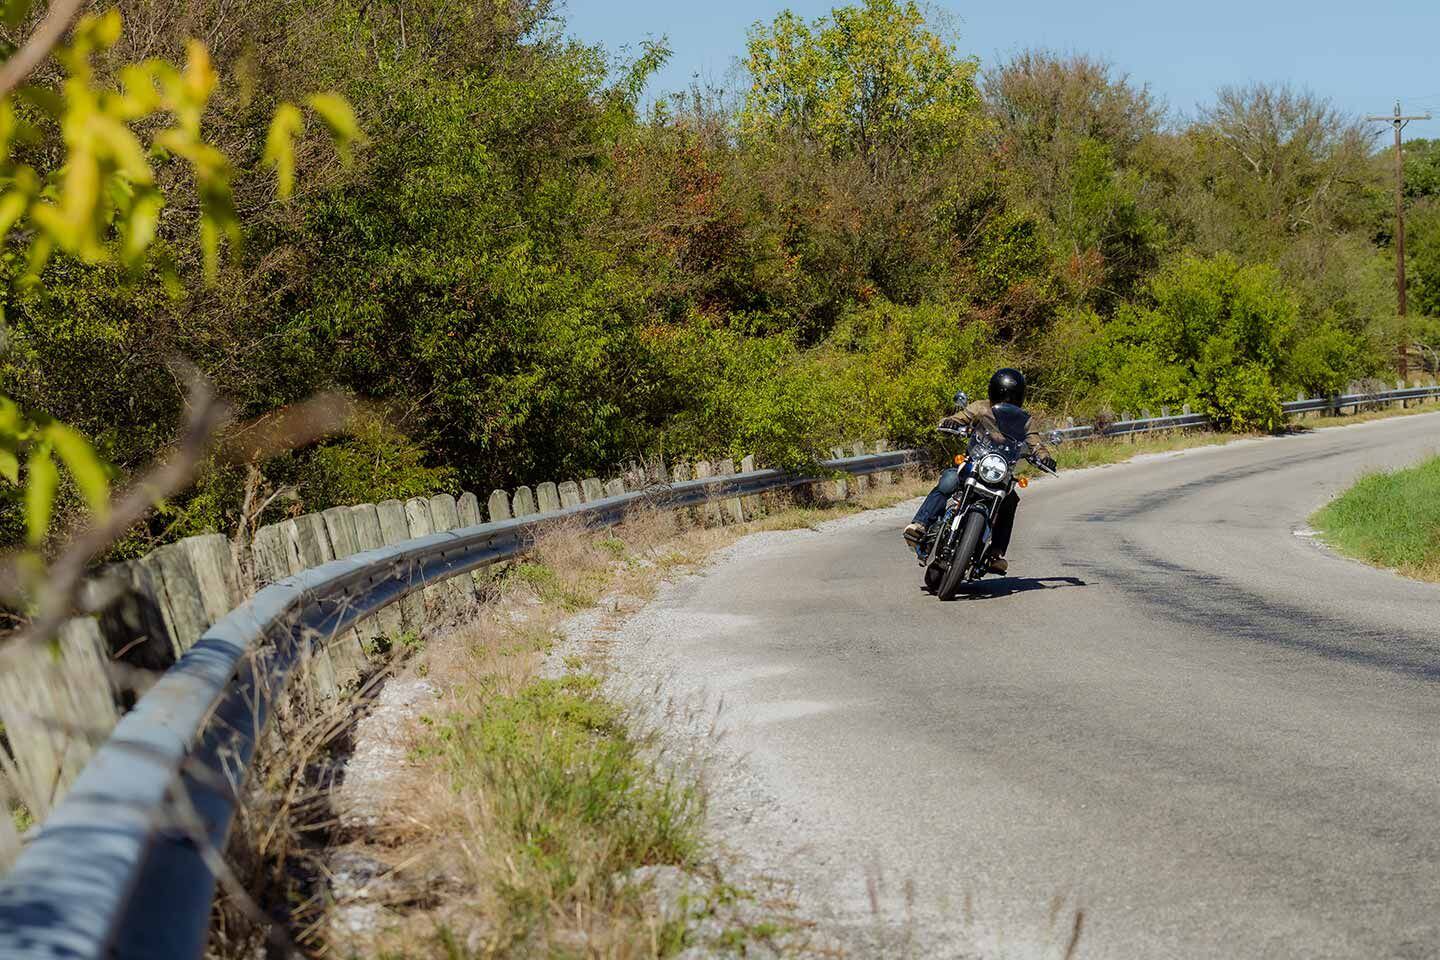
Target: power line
x,y
1399,120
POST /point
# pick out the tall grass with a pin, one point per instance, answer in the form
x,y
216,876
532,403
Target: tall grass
x,y
1389,519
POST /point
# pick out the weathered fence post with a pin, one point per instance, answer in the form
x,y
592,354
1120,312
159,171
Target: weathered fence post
x,y
445,515
733,506
614,488
862,482
548,497
569,494
389,622
840,488
216,572
395,528
55,707
177,594
498,505
592,489
884,477
710,511
524,503
754,506
340,527
417,519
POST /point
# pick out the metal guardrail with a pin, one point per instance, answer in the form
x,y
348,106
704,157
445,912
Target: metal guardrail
x,y
119,869
1183,420
116,870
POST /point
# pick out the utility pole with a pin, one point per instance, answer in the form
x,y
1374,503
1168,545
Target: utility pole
x,y
1399,122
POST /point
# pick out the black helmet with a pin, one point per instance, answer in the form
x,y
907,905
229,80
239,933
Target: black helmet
x,y
1007,386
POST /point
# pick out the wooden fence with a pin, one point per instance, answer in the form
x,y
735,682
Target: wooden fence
x,y
58,704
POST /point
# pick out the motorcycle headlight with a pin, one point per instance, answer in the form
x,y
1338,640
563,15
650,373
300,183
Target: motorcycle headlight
x,y
992,468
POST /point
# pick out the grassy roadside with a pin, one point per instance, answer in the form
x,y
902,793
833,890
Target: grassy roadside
x,y
1389,520
543,805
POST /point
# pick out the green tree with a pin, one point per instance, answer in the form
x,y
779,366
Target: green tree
x,y
863,78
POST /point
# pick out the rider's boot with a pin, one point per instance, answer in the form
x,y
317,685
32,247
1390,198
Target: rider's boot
x,y
914,534
998,565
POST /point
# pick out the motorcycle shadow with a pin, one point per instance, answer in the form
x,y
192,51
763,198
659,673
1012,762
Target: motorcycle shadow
x,y
1008,586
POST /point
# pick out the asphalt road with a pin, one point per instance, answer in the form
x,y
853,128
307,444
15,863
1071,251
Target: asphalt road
x,y
1206,731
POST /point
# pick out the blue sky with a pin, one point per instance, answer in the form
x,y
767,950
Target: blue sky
x,y
1361,55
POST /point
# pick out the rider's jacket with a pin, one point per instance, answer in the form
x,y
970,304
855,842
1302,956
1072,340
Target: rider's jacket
x,y
982,415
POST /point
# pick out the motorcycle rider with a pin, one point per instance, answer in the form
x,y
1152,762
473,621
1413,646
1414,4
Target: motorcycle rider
x,y
1006,399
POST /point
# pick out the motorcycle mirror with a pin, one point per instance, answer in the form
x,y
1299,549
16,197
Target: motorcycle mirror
x,y
1056,438
962,400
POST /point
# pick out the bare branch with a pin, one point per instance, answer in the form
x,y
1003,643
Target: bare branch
x,y
51,28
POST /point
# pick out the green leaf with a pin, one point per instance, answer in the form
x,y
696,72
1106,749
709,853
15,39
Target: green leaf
x,y
339,118
9,465
40,487
140,225
85,466
280,146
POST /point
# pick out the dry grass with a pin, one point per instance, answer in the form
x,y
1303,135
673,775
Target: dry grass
x,y
1365,416
525,800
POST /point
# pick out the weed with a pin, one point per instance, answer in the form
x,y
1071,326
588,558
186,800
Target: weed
x,y
567,798
1389,519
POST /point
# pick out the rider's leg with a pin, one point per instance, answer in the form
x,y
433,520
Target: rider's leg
x,y
1004,527
933,506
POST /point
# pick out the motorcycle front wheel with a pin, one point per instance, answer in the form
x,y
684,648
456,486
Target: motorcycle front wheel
x,y
964,555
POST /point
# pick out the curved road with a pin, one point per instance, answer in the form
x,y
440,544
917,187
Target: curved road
x,y
1215,737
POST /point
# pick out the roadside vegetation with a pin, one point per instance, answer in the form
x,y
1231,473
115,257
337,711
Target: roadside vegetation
x,y
534,269
1389,520
527,811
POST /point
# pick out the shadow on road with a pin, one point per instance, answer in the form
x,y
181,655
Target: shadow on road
x,y
1006,586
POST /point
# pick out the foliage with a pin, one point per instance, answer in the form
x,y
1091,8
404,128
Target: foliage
x,y
539,281
1217,334
374,462
1389,519
863,78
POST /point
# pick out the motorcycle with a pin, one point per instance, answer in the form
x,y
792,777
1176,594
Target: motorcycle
x,y
956,548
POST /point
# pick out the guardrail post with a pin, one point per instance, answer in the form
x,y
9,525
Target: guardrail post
x,y
308,546
733,505
591,489
498,505
216,573
469,507
268,555
709,511
614,488
839,487
340,526
884,476
524,503
753,505
862,482
54,707
417,519
569,494
445,515
679,473
395,528
389,622
177,594
548,497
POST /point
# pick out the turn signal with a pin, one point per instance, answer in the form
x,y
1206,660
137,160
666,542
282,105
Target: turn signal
x,y
1023,481
959,459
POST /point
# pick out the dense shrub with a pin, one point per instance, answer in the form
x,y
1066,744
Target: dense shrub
x,y
538,281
